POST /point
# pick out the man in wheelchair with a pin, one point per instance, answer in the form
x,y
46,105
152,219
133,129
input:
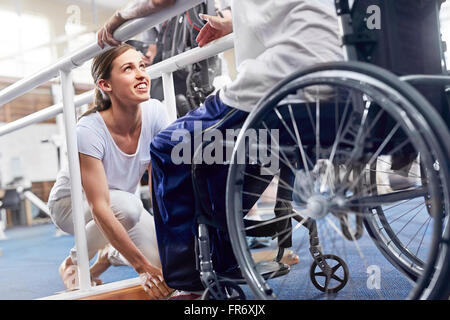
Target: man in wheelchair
x,y
268,47
348,115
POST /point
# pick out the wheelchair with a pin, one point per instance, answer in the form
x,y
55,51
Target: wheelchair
x,y
340,132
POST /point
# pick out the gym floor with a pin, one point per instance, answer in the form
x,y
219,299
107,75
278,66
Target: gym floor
x,y
30,257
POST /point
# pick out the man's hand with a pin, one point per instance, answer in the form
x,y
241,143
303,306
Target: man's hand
x,y
216,28
150,54
105,34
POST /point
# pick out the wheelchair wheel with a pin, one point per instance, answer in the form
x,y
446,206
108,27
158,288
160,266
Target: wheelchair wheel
x,y
331,280
386,223
346,116
228,291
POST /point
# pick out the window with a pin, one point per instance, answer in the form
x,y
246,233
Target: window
x,y
80,37
27,44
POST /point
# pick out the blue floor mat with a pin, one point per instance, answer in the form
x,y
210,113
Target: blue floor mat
x,y
31,257
30,260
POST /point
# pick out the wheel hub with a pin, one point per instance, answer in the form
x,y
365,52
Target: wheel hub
x,y
317,207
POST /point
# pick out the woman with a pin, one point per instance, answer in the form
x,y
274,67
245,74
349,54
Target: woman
x,y
113,144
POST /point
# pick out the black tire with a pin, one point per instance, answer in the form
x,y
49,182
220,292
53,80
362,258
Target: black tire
x,y
340,280
230,291
378,92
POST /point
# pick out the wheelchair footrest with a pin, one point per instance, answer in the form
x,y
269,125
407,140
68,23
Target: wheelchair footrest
x,y
268,269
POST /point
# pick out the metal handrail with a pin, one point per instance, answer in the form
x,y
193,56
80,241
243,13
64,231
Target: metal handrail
x,y
76,59
154,71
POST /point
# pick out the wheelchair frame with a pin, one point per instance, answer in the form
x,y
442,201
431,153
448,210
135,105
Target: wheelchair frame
x,y
220,287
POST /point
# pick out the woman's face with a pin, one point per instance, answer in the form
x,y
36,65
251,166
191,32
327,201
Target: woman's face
x,y
128,82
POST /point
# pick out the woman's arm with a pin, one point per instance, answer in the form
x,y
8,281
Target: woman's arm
x,y
97,193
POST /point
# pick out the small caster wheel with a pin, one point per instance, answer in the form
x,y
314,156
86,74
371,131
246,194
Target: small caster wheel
x,y
333,278
228,290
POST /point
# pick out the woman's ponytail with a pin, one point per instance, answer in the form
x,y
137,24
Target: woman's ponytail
x,y
101,102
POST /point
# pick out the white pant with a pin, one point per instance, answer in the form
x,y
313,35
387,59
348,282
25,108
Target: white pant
x,y
127,208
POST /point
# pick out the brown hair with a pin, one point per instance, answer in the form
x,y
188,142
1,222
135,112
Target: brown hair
x,y
101,69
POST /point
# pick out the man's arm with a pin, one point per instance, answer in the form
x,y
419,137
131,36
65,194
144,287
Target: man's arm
x,y
133,9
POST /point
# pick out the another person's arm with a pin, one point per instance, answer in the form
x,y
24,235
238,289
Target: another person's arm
x,y
150,37
150,54
215,28
95,185
134,9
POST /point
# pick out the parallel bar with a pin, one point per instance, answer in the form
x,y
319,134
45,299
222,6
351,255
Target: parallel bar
x,y
75,180
125,32
45,114
169,65
192,56
37,202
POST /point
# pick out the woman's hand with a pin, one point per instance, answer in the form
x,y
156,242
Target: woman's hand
x,y
215,28
153,283
95,186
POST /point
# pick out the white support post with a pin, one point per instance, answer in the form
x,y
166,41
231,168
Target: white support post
x,y
75,179
169,96
2,225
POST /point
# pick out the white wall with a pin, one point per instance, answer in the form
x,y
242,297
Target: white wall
x,y
39,161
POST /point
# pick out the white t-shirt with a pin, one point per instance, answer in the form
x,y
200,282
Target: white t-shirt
x,y
274,38
123,171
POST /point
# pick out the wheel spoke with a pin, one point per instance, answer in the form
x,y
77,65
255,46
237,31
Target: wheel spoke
x,y
317,128
421,240
404,214
409,221
320,274
285,160
299,143
335,277
336,267
284,185
390,164
417,232
348,173
377,153
335,144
